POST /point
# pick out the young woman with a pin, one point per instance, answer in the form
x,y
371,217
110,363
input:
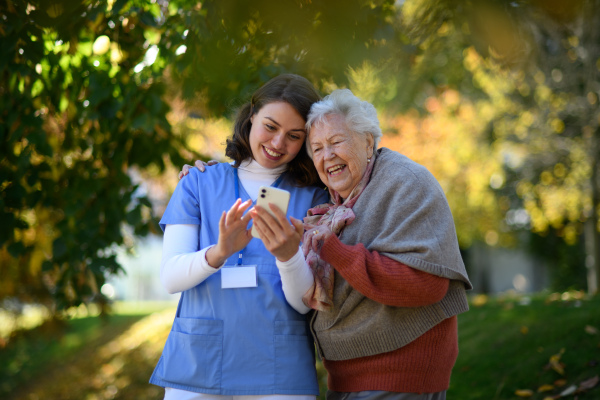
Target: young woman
x,y
239,328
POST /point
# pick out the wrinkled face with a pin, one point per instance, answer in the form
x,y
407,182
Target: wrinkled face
x,y
339,154
277,134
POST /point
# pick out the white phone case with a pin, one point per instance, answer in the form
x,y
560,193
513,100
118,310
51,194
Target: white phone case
x,y
269,194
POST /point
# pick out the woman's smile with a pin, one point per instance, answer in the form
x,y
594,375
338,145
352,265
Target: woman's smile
x,y
272,154
336,169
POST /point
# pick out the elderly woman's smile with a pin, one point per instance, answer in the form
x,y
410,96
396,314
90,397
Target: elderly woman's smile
x,y
335,170
340,154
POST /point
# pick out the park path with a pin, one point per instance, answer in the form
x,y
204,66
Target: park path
x,y
117,365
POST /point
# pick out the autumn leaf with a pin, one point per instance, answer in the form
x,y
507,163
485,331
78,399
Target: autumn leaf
x,y
560,382
568,391
588,384
555,363
591,330
480,300
524,392
545,388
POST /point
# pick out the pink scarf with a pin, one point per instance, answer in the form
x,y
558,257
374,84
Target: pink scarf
x,y
321,222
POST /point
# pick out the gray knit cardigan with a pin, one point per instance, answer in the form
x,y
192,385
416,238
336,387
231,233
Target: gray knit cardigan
x,y
402,214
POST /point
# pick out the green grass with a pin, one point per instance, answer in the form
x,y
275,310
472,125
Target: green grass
x,y
505,346
51,348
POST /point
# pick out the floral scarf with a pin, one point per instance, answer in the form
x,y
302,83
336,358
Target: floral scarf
x,y
321,222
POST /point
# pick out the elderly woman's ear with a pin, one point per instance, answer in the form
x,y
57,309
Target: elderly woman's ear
x,y
370,145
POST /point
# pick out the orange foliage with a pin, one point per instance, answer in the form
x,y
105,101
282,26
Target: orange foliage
x,y
449,142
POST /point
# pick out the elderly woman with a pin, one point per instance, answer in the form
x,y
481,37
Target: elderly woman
x,y
383,268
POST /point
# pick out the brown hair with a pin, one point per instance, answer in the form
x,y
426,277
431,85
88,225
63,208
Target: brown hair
x,y
297,92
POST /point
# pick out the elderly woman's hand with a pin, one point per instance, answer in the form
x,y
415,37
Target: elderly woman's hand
x,y
281,238
201,165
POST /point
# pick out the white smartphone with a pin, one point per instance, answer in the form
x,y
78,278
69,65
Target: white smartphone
x,y
269,194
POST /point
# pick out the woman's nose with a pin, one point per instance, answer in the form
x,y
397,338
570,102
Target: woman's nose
x,y
278,140
329,154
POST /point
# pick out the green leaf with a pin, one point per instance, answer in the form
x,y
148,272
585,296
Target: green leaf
x,y
16,249
144,122
59,248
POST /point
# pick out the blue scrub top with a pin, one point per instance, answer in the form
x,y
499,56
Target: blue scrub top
x,y
243,341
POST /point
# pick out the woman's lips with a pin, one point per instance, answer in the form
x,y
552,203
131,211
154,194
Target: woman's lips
x,y
272,154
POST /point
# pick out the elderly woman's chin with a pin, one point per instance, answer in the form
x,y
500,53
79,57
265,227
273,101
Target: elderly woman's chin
x,y
341,184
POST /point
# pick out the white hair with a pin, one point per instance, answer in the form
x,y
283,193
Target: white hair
x,y
360,116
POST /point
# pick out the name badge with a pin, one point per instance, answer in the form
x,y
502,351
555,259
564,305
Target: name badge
x,y
238,277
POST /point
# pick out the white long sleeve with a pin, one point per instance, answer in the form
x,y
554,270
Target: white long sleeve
x,y
296,280
183,266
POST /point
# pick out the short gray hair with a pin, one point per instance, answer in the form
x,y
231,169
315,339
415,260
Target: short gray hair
x,y
360,116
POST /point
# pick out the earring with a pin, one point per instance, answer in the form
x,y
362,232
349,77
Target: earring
x,y
368,160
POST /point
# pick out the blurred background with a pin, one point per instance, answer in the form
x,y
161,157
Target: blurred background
x,y
102,102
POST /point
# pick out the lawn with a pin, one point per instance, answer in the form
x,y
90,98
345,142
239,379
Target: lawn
x,y
88,358
509,347
538,347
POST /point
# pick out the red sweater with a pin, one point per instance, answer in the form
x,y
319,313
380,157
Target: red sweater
x,y
422,366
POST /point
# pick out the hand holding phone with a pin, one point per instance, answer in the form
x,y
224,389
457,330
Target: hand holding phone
x,y
269,194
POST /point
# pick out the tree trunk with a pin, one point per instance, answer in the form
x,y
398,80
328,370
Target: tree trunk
x,y
592,236
590,37
592,241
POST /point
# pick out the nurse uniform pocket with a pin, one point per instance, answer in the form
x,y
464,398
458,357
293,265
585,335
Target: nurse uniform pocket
x,y
294,357
193,353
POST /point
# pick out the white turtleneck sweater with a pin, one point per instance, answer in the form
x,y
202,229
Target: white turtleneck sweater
x,y
184,267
